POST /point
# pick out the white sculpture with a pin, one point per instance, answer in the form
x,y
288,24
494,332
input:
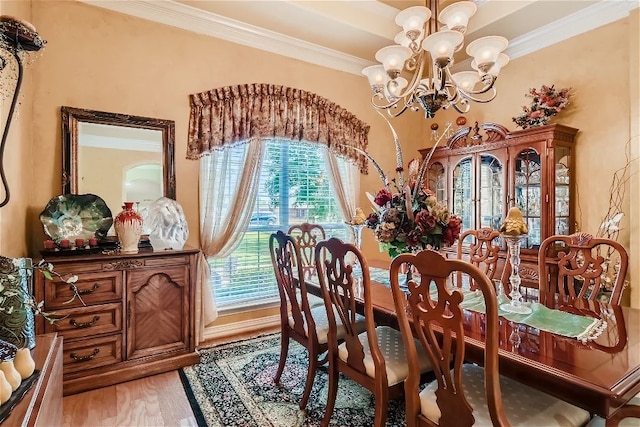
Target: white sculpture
x,y
168,225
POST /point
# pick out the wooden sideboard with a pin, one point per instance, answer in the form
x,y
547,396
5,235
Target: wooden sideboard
x,y
135,317
42,405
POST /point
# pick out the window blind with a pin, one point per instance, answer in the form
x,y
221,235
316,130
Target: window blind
x,y
295,187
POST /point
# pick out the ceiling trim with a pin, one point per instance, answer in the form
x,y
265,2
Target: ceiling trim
x,y
202,22
587,19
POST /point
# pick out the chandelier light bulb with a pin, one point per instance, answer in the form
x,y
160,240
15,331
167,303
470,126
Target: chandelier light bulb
x,y
377,77
413,18
393,59
402,39
466,80
485,50
501,61
456,16
394,88
441,45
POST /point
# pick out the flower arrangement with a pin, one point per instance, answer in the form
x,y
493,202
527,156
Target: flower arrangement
x,y
405,222
546,103
408,217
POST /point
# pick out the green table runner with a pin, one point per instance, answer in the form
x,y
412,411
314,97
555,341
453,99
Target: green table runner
x,y
541,317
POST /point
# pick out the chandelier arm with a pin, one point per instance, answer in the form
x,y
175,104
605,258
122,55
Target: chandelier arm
x,y
378,106
460,109
469,95
488,82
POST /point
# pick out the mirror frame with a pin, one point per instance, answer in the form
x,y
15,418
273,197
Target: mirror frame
x,y
72,116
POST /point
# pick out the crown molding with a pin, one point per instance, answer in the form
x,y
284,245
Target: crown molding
x,y
589,18
210,24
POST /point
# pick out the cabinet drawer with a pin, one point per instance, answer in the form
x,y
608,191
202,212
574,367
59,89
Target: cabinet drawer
x,y
94,288
92,353
87,321
164,261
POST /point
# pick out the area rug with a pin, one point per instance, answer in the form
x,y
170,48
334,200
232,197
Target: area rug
x,y
233,386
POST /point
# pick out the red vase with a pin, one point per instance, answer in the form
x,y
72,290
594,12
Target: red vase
x,y
128,226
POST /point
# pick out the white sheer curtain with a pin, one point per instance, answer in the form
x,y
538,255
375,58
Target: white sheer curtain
x,y
228,187
346,182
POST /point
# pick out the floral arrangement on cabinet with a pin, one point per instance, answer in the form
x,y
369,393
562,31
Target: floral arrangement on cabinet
x,y
546,103
407,217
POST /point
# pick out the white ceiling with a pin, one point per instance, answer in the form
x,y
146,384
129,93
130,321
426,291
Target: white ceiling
x,y
345,34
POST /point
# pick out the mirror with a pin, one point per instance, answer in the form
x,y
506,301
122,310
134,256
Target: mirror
x,y
117,157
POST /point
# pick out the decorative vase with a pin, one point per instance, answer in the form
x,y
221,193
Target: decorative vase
x,y
128,226
168,224
17,322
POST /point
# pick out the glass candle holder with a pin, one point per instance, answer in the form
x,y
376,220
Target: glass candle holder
x,y
515,306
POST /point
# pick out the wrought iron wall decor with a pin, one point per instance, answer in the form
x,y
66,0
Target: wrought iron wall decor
x,y
17,39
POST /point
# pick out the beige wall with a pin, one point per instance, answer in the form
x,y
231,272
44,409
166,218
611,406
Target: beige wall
x,y
15,222
106,61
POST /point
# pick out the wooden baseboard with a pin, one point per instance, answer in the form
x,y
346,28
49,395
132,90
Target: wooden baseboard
x,y
245,327
127,371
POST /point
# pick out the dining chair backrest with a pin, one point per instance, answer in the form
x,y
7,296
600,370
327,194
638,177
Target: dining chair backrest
x,y
582,266
307,236
438,320
483,250
292,288
340,290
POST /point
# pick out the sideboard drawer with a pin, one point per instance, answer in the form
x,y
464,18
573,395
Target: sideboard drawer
x,y
94,288
91,353
92,320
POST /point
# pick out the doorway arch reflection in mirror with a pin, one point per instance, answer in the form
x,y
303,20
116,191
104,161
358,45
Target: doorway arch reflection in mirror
x,y
107,151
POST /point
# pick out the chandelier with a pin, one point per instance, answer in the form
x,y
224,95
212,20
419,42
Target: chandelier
x,y
426,51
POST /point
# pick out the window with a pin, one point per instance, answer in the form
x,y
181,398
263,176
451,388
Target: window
x,y
294,187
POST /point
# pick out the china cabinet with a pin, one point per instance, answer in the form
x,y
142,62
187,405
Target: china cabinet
x,y
135,316
483,171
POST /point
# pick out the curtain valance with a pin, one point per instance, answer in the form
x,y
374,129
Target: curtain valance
x,y
234,114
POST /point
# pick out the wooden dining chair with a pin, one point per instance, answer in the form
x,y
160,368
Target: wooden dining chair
x,y
374,358
481,248
581,266
298,321
463,394
307,236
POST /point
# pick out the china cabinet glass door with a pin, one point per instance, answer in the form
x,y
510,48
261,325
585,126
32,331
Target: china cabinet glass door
x,y
491,192
562,191
478,191
436,181
463,197
528,193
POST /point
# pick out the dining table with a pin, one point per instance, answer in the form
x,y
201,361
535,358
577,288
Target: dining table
x,y
600,374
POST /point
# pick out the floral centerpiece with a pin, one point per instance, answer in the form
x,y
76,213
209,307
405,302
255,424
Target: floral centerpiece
x,y
546,103
407,217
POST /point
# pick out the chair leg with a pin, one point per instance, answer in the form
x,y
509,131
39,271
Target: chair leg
x,y
311,375
382,406
284,351
333,390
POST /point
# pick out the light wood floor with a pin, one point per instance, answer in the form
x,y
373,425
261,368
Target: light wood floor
x,y
155,401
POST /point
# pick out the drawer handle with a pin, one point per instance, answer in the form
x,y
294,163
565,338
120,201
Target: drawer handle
x,y
86,291
77,358
85,324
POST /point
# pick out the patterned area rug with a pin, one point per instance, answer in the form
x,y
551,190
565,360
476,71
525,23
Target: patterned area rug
x,y
233,386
